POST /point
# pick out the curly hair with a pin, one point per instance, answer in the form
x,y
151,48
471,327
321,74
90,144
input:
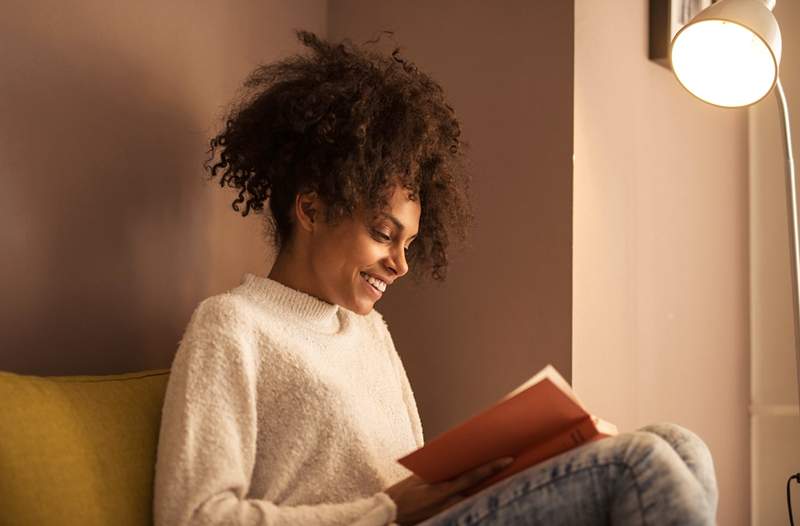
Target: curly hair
x,y
349,124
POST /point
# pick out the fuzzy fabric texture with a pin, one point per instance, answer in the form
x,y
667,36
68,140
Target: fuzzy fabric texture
x,y
282,409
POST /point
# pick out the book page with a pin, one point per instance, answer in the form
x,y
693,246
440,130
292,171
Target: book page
x,y
551,373
604,426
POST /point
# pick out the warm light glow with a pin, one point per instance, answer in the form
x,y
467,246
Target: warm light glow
x,y
723,63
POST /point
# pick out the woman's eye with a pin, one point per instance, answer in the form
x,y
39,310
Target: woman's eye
x,y
387,238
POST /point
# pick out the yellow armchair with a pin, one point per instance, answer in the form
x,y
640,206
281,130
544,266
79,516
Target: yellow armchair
x,y
79,449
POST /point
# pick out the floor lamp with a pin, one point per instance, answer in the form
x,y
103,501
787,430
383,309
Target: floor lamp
x,y
728,55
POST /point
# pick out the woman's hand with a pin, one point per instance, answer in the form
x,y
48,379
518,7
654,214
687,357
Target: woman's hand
x,y
417,500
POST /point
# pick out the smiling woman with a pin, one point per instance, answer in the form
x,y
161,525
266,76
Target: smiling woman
x,y
349,125
287,402
352,262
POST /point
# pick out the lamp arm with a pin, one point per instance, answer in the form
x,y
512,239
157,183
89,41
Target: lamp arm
x,y
791,212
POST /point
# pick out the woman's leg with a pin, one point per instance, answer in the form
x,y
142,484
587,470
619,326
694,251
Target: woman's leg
x,y
632,478
694,453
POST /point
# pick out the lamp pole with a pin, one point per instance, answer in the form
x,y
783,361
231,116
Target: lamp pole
x,y
728,55
791,212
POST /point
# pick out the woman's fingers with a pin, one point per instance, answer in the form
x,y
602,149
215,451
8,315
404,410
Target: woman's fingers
x,y
452,501
470,478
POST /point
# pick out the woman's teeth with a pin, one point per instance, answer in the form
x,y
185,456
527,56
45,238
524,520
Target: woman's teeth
x,y
378,284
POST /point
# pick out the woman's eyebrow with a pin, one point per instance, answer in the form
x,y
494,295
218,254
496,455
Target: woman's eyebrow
x,y
397,222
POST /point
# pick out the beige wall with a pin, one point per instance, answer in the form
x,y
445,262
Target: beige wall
x,y
110,236
505,309
660,259
775,427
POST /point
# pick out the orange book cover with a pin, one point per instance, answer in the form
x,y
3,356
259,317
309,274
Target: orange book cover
x,y
538,420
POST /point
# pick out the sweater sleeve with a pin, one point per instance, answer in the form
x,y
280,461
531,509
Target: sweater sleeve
x,y
402,377
207,440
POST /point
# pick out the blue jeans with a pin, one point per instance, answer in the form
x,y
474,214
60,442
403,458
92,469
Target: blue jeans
x,y
659,474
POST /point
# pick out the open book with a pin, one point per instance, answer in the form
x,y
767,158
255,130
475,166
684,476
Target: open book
x,y
538,420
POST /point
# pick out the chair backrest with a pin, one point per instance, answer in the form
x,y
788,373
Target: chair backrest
x,y
79,449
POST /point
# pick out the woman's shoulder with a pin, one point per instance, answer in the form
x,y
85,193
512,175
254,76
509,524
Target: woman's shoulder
x,y
224,311
223,306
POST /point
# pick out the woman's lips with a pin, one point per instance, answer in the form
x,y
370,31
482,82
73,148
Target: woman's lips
x,y
375,293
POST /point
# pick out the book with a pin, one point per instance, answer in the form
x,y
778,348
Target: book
x,y
538,420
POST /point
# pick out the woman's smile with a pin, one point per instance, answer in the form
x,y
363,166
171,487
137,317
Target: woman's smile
x,y
372,290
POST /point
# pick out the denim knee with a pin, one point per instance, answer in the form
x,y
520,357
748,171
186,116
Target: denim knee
x,y
675,434
684,441
638,448
694,452
662,474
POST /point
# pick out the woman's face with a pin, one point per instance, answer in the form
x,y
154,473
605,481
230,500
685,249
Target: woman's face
x,y
343,254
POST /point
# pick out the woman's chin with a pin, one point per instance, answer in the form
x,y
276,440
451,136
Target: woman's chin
x,y
366,309
363,307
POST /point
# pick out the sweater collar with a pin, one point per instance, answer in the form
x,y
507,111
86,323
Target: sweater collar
x,y
320,313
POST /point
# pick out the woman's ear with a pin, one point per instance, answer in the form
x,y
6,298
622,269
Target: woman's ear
x,y
307,210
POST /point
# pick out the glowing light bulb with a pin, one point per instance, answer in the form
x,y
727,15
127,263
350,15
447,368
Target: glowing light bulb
x,y
723,63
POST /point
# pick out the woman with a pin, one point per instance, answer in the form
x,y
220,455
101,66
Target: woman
x,y
287,402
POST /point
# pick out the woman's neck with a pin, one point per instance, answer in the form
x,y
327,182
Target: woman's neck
x,y
290,270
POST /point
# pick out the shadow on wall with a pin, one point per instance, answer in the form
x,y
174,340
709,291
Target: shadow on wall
x,y
98,213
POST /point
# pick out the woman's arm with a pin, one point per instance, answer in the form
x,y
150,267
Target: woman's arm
x,y
405,384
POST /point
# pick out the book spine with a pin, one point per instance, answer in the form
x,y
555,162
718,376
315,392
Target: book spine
x,y
572,437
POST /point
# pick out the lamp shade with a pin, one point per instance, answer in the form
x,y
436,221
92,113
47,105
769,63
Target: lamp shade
x,y
728,55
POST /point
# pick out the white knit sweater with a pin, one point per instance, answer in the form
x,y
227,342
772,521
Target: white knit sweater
x,y
282,409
